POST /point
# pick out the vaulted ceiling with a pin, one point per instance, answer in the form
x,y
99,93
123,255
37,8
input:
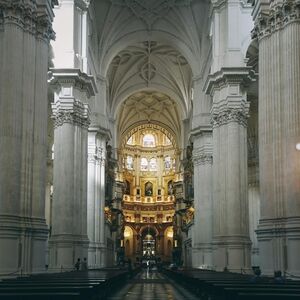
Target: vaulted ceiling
x,y
149,52
150,66
149,107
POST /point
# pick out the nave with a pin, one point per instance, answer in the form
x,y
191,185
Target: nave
x,y
152,285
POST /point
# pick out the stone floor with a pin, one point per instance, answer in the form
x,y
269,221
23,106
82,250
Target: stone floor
x,y
152,286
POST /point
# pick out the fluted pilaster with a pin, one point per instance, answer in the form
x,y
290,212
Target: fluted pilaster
x,y
203,205
96,196
277,28
25,32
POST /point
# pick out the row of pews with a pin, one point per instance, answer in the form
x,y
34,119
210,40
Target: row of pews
x,y
233,286
90,284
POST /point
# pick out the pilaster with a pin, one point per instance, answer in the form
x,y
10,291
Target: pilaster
x,y
25,32
97,138
69,240
203,205
231,242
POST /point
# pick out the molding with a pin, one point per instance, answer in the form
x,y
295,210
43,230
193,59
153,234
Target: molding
x,y
227,75
201,130
105,132
80,80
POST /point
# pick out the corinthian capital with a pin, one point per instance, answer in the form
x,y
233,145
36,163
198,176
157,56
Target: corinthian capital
x,y
202,156
228,115
32,16
74,112
276,16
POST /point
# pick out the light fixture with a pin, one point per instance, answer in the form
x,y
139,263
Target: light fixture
x,y
298,146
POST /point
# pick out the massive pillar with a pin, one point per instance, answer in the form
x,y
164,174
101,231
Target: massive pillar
x,y
278,32
96,196
202,159
25,31
231,242
69,239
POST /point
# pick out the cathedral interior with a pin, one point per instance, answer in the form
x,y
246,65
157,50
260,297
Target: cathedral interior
x,y
159,133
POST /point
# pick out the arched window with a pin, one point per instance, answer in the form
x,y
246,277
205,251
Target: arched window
x,y
144,164
153,164
148,140
129,162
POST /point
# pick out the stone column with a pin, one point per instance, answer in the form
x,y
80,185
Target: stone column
x,y
277,29
231,242
25,32
202,233
96,196
69,239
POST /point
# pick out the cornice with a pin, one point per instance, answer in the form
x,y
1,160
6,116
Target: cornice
x,y
234,75
201,131
105,132
80,80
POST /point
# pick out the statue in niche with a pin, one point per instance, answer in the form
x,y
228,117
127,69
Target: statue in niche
x,y
148,189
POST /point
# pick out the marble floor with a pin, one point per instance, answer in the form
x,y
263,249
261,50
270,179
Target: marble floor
x,y
152,286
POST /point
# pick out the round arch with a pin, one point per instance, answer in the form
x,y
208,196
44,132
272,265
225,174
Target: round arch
x,y
125,135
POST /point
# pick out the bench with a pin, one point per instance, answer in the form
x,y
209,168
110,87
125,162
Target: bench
x,y
91,284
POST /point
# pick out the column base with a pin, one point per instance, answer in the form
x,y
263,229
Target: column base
x,y
202,256
23,243
65,249
279,244
232,253
96,255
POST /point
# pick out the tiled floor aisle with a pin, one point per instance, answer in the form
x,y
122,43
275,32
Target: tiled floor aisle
x,y
152,286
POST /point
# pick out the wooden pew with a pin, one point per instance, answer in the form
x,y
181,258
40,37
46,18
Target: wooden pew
x,y
91,284
225,285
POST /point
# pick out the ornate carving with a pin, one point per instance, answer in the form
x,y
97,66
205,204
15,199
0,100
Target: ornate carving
x,y
280,15
151,11
26,15
96,155
228,115
202,156
75,114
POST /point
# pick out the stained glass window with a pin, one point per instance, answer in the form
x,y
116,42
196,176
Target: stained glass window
x,y
168,162
144,164
129,162
153,164
148,140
